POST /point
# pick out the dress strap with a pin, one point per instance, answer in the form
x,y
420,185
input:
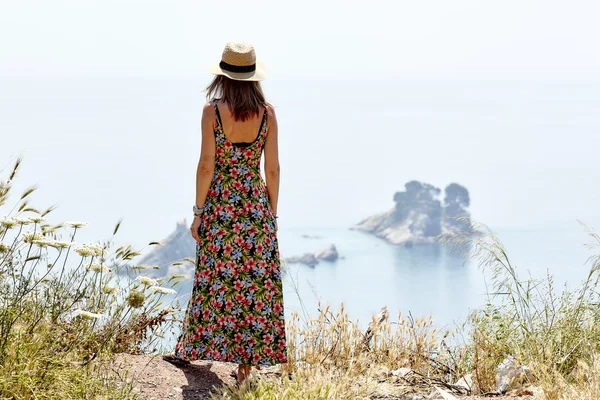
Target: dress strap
x,y
219,123
264,123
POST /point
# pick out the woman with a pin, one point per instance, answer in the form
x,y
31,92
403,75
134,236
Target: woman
x,y
236,312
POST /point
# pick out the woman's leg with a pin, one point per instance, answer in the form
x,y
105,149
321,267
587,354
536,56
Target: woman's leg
x,y
243,372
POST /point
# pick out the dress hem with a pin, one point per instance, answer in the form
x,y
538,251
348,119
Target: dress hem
x,y
232,362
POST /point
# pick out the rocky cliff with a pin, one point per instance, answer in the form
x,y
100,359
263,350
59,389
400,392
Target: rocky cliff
x,y
174,249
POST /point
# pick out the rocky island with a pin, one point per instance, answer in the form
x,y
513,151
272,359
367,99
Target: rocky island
x,y
329,254
418,215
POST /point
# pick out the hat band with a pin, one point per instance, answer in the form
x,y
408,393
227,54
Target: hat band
x,y
237,68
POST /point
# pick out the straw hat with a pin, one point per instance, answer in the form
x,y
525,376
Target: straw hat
x,y
239,62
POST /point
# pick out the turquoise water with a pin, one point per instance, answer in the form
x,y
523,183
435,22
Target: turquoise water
x,y
422,281
373,274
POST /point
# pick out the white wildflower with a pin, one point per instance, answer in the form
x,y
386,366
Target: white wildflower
x,y
89,249
7,222
147,280
57,244
4,248
43,242
36,219
110,289
87,314
60,244
22,221
32,237
76,224
96,248
85,251
163,290
98,268
143,266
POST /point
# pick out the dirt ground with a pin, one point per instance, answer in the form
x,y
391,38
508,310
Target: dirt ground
x,y
158,379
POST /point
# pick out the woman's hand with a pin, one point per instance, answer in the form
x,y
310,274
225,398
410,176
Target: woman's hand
x,y
194,228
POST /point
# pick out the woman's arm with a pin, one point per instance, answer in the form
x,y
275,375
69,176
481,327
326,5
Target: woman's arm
x,y
206,164
272,160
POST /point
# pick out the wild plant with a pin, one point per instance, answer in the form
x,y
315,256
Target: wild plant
x,y
64,304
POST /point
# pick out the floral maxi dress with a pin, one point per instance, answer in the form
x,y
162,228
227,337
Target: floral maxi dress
x,y
236,312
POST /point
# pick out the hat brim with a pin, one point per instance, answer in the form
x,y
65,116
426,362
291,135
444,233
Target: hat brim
x,y
258,74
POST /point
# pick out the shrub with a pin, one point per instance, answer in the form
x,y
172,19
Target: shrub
x,y
65,304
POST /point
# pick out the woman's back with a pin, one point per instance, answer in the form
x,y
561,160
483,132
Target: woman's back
x,y
239,131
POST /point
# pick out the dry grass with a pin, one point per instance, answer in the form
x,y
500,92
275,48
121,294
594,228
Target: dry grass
x,y
66,308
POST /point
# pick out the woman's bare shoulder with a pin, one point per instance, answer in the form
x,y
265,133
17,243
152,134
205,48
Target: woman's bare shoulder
x,y
208,107
270,111
208,111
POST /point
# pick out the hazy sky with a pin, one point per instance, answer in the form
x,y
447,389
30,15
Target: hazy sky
x,y
104,100
322,39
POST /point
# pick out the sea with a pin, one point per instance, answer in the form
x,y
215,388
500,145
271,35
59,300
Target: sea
x,y
433,281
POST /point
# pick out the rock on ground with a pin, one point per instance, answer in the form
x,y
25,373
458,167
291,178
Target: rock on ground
x,y
510,375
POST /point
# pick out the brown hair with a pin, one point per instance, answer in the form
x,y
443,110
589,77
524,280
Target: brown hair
x,y
244,98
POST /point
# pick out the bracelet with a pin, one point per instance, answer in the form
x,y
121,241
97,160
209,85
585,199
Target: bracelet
x,y
198,210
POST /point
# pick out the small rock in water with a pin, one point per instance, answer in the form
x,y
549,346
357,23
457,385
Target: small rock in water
x,y
307,259
305,236
328,254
